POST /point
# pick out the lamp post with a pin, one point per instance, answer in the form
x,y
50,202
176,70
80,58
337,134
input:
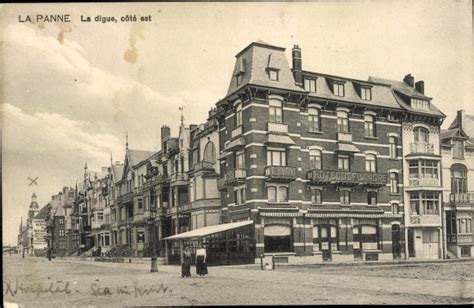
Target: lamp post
x,y
154,267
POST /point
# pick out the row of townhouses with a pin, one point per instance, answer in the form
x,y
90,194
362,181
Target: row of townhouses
x,y
290,162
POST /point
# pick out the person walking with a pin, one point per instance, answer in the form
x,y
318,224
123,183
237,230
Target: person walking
x,y
201,266
186,263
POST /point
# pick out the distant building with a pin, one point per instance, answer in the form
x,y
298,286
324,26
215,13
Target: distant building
x,y
457,145
40,244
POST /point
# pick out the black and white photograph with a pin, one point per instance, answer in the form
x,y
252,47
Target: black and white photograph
x,y
237,153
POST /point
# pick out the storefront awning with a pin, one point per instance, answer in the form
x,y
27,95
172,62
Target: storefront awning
x,y
277,230
346,147
239,142
209,230
279,139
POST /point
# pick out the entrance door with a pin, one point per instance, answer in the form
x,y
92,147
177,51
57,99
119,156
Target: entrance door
x,y
328,235
396,242
411,243
430,244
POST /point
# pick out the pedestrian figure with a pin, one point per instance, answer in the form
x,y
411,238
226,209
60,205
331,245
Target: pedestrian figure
x,y
201,266
186,263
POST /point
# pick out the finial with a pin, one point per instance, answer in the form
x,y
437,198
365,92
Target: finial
x,y
85,166
111,159
182,115
126,140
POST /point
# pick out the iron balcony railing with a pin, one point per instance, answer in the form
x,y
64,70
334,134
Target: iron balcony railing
x,y
235,176
429,182
421,148
280,173
461,198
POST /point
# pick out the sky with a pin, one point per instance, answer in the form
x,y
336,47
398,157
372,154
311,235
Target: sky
x,y
71,91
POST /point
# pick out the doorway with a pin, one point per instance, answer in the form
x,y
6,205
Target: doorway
x,y
396,242
411,243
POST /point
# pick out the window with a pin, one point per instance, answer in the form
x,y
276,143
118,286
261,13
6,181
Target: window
x,y
464,226
61,232
425,202
140,203
366,93
458,149
372,198
342,122
338,89
310,85
238,115
315,159
313,120
395,208
343,162
239,160
421,134
61,221
370,163
393,183
316,196
276,158
275,111
392,147
238,78
239,196
273,74
420,103
140,237
458,179
423,169
100,217
369,126
277,194
210,152
345,197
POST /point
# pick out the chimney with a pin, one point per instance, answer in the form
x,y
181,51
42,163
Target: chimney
x,y
212,113
420,86
409,80
297,65
460,118
165,132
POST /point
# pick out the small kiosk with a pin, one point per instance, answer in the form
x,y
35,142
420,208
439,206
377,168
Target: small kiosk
x,y
226,244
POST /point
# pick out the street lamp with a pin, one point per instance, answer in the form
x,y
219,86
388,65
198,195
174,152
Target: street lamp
x,y
154,267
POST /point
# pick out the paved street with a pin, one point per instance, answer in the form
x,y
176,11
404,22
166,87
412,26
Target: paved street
x,y
36,282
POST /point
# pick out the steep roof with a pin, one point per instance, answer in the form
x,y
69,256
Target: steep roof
x,y
253,63
468,124
43,212
400,87
137,156
117,171
381,94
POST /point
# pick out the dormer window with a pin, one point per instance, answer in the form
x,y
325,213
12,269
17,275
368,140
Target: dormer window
x,y
238,79
310,84
420,103
338,88
273,74
366,93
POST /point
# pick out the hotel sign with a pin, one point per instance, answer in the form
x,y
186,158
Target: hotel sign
x,y
333,176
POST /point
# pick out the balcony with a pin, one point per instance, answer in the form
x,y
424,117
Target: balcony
x,y
280,173
460,238
204,166
462,198
421,148
236,132
344,137
425,182
221,183
347,177
235,177
423,220
278,128
180,178
161,179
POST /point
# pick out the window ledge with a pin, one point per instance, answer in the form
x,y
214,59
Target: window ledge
x,y
278,203
395,194
345,205
371,137
316,132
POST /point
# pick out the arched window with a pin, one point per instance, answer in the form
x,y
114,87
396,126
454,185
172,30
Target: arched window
x,y
313,120
210,152
421,134
369,125
458,179
315,161
372,198
342,122
370,163
238,115
392,147
395,208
